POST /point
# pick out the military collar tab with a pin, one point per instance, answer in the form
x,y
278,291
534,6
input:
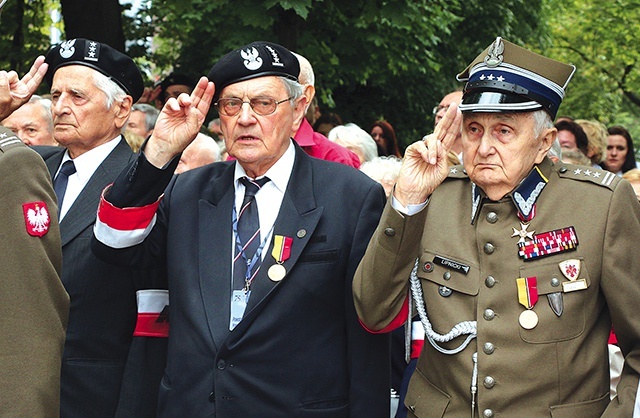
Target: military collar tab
x,y
524,196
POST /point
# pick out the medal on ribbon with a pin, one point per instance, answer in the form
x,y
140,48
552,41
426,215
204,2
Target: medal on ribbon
x,y
528,297
281,252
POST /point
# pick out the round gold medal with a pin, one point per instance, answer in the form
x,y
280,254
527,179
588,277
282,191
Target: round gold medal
x,y
528,319
277,272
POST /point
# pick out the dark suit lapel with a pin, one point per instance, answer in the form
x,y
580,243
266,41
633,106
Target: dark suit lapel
x,y
215,235
83,211
298,219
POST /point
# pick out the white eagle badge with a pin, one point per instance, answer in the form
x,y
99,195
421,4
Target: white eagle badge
x,y
36,218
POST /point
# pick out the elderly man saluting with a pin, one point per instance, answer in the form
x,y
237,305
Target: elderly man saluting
x,y
260,253
521,265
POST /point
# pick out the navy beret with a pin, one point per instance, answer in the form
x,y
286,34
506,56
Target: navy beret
x,y
102,58
257,59
509,78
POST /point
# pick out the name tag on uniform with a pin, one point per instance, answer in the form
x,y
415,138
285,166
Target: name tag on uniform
x,y
239,300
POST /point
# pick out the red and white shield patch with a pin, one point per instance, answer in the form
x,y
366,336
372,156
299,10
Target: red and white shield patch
x,y
36,218
570,269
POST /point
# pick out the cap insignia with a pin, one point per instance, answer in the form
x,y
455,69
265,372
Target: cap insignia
x,y
67,49
92,51
494,54
276,58
251,58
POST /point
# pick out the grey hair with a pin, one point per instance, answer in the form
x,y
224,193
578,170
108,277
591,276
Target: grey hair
x,y
294,89
150,114
113,91
353,135
306,70
542,120
45,108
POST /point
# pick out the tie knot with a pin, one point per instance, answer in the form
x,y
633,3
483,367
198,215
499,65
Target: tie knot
x,y
68,168
252,186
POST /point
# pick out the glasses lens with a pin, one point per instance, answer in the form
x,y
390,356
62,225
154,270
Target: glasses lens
x,y
263,105
229,107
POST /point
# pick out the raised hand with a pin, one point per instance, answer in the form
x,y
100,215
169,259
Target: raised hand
x,y
425,165
178,123
14,92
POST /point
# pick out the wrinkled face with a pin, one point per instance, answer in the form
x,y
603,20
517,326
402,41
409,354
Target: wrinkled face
x,y
258,141
567,140
616,152
136,123
500,149
81,120
378,136
30,124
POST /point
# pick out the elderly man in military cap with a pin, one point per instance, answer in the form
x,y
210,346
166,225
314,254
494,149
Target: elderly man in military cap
x,y
521,265
93,87
260,253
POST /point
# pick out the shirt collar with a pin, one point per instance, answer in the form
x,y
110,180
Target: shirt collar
x,y
87,163
279,173
523,197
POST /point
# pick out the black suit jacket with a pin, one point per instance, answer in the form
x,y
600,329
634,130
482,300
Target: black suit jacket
x,y
103,303
299,351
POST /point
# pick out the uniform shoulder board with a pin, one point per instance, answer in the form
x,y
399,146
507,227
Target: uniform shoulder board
x,y
457,172
594,175
8,140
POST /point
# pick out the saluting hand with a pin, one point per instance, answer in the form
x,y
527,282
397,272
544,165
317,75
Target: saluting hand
x,y
14,92
425,165
178,123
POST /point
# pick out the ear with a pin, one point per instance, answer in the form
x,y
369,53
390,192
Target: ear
x,y
123,110
309,92
299,112
546,141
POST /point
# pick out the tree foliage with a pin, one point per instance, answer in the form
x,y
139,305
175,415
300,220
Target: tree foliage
x,y
600,38
391,59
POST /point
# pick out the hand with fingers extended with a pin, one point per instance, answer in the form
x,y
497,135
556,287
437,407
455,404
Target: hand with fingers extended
x,y
425,164
14,92
178,123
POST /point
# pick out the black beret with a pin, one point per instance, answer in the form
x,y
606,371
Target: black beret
x,y
102,58
257,59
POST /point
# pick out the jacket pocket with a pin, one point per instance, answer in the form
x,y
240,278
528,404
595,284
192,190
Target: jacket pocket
x,y
423,399
588,409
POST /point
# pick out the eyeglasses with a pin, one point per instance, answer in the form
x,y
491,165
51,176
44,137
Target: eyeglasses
x,y
438,108
263,106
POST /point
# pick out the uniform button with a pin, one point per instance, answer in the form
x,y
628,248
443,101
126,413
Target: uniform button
x,y
489,314
555,282
487,413
563,169
212,397
492,217
489,248
489,382
428,267
488,348
490,281
301,233
444,291
446,275
389,232
222,364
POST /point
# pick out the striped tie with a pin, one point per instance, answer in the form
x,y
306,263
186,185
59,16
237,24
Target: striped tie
x,y
248,231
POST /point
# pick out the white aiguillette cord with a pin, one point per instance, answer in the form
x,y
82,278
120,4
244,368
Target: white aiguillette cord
x,y
468,328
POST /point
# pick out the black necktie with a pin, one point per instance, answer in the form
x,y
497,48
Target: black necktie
x,y
60,183
248,231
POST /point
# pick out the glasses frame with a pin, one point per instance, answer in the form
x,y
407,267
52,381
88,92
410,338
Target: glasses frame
x,y
277,102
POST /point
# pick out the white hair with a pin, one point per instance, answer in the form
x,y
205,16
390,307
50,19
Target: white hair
x,y
351,135
306,71
112,91
383,168
542,120
45,109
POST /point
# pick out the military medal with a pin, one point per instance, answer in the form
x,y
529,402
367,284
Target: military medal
x,y
547,243
281,252
523,233
528,297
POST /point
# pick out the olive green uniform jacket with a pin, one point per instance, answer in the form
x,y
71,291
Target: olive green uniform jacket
x,y
33,303
560,367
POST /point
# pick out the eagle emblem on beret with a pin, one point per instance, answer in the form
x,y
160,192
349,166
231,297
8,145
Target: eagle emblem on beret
x,y
251,58
67,49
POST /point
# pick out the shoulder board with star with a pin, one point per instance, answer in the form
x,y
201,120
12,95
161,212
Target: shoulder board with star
x,y
594,175
457,172
9,141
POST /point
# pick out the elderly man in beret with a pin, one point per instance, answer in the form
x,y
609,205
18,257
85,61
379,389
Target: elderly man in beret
x,y
260,253
520,265
93,87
